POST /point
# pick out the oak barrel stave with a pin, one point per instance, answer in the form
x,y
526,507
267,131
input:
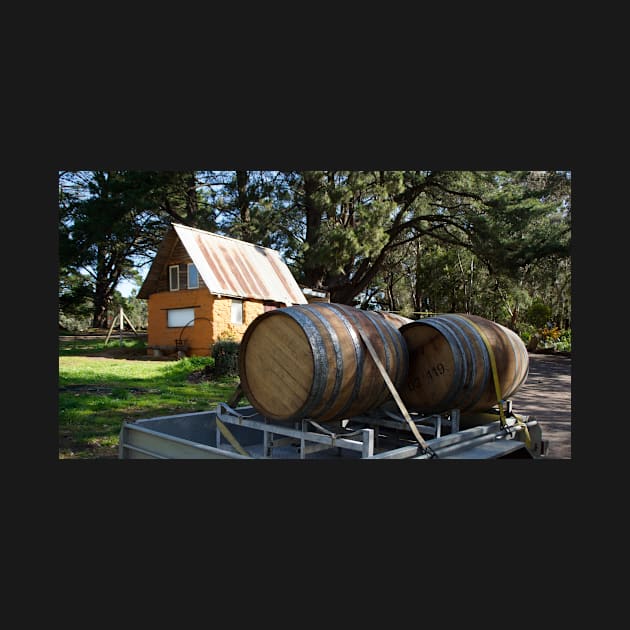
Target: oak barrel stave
x,y
450,367
309,361
393,318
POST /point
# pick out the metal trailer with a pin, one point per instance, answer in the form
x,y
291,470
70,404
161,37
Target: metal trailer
x,y
243,433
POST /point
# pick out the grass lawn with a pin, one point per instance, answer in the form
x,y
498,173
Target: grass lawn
x,y
102,386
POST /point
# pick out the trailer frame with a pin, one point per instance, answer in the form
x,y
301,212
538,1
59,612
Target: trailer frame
x,y
204,435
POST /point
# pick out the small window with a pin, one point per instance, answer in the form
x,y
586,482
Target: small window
x,y
173,277
237,311
178,317
193,277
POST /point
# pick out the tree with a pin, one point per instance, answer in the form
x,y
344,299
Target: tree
x,y
474,241
177,196
351,221
337,222
106,230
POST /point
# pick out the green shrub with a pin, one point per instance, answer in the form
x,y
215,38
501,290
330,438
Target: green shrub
x,y
550,338
74,323
225,355
181,369
526,331
563,346
120,393
538,314
559,340
198,363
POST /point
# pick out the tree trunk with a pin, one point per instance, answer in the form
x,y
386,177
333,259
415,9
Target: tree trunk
x,y
99,317
514,317
192,205
242,202
417,289
391,296
314,273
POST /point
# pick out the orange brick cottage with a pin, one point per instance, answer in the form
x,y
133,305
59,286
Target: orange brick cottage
x,y
202,287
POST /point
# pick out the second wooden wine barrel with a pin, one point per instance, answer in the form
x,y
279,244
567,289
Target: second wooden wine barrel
x,y
309,361
394,319
450,366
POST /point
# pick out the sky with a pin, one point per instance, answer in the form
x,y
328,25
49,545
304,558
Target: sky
x,y
125,287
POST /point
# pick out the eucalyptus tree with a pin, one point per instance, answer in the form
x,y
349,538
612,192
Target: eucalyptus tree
x,y
243,202
525,229
463,240
335,227
177,196
106,230
345,226
496,227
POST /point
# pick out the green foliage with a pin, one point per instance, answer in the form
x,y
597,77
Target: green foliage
x,y
225,355
555,338
120,393
197,363
180,370
107,227
527,220
485,242
97,394
94,347
538,314
74,323
136,310
526,331
563,343
550,338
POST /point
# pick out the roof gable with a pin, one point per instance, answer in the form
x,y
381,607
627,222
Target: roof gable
x,y
228,267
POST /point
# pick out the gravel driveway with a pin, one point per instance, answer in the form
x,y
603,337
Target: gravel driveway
x,y
546,395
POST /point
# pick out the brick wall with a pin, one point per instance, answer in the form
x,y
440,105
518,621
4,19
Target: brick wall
x,y
222,317
213,319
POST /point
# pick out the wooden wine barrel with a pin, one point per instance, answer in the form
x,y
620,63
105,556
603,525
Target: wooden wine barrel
x,y
309,361
450,367
394,319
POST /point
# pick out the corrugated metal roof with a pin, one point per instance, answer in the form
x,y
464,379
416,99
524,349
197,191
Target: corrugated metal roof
x,y
235,268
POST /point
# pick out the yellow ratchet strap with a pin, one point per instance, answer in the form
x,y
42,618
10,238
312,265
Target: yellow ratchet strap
x,y
392,389
528,439
227,434
497,386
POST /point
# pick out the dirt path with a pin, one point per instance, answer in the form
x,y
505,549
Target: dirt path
x,y
546,395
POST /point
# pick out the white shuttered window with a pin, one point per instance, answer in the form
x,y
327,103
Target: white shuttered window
x,y
173,277
193,277
237,311
178,317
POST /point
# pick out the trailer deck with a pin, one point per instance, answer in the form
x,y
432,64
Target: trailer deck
x,y
242,433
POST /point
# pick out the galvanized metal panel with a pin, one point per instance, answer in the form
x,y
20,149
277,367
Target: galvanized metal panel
x,y
487,450
140,443
230,267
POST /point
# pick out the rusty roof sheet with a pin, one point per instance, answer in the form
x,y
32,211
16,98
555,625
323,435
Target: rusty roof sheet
x,y
235,268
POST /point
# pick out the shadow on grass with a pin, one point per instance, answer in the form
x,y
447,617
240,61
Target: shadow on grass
x,y
96,397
